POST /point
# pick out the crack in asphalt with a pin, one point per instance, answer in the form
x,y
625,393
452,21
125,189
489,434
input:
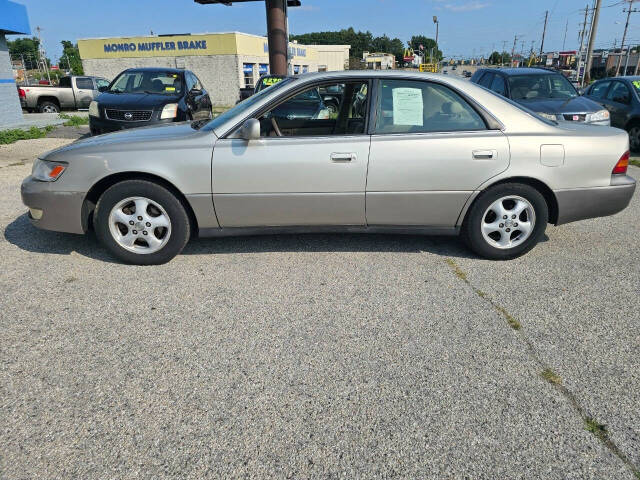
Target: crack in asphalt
x,y
597,429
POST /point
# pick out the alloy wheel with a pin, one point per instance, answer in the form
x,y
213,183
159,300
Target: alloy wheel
x,y
508,222
140,225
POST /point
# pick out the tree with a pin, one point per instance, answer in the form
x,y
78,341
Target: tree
x,y
497,58
25,48
70,59
360,42
428,44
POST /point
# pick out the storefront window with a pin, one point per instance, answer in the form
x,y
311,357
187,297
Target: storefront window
x,y
296,69
263,69
305,69
247,68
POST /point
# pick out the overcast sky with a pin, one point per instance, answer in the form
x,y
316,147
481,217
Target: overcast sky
x,y
467,27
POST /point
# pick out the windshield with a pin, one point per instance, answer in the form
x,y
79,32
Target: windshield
x,y
535,87
245,105
148,82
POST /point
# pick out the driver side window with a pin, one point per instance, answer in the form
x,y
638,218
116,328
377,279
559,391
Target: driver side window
x,y
333,109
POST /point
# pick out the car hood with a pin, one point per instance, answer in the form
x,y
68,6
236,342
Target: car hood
x,y
145,138
130,101
555,105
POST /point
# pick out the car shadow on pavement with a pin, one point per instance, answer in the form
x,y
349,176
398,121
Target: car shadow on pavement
x,y
25,236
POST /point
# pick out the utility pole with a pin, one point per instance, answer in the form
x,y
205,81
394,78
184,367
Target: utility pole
x,y
583,32
42,54
504,50
592,39
544,31
628,11
513,49
564,42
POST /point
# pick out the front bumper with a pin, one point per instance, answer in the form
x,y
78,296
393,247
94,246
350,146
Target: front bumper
x,y
59,211
581,203
104,125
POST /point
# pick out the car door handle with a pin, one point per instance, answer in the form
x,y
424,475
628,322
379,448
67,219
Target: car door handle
x,y
484,154
343,157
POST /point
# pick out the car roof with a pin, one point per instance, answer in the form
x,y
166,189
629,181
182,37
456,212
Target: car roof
x,y
156,69
522,71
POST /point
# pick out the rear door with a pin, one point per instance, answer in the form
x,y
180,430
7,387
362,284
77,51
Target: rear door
x,y
618,102
84,91
430,150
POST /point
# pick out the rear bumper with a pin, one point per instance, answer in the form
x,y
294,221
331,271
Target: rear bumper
x,y
581,203
58,211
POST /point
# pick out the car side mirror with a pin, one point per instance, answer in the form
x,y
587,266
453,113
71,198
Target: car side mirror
x,y
250,129
103,88
194,92
581,91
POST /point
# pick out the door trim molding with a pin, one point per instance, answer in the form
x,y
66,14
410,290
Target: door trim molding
x,y
288,230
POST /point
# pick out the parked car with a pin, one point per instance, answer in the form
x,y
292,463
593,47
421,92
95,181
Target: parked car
x,y
267,81
620,96
544,91
426,154
140,97
73,92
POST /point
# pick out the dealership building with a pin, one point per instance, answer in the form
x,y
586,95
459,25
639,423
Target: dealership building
x,y
224,62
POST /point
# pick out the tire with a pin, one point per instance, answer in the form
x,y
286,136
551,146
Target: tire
x,y
164,220
48,107
497,238
634,136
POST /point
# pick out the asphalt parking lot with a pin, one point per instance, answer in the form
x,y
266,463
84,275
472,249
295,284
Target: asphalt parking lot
x,y
319,356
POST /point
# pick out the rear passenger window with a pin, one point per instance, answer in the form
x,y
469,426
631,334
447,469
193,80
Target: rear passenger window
x,y
499,86
406,106
84,83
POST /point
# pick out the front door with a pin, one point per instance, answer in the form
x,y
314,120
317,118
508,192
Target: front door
x,y
430,150
308,168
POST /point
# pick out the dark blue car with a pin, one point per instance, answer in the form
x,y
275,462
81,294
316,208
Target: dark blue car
x,y
546,92
620,96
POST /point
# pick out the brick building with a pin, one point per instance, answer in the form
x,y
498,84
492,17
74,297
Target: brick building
x,y
224,62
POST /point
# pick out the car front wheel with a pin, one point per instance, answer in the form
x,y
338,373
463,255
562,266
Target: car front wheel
x,y
141,222
506,221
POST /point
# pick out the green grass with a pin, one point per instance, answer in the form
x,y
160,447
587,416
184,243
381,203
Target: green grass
x,y
634,162
598,429
74,120
551,377
12,136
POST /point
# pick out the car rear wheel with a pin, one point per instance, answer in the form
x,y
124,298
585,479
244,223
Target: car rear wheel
x,y
506,221
49,107
634,137
141,222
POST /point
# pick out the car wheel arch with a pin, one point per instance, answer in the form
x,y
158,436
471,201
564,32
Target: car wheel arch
x,y
99,187
45,98
543,188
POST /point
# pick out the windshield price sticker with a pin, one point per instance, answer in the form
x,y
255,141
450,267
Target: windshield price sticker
x,y
408,107
636,84
270,81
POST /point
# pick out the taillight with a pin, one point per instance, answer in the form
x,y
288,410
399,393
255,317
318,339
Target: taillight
x,y
21,93
621,166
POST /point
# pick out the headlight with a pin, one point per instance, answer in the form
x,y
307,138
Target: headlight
x,y
600,116
45,171
93,109
170,110
548,116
